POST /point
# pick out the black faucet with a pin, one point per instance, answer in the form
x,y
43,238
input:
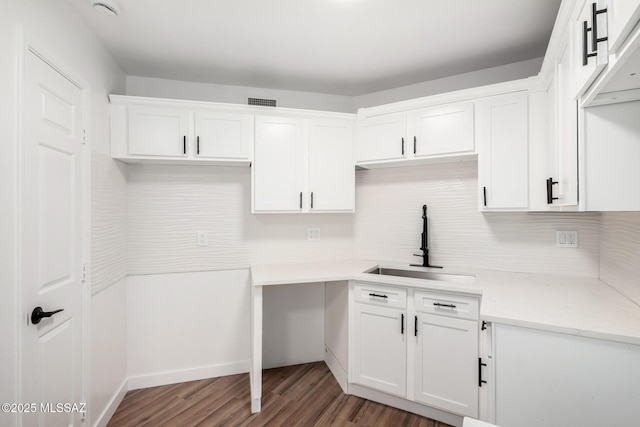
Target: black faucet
x,y
425,245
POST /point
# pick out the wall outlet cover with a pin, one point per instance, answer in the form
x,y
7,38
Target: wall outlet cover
x,y
313,234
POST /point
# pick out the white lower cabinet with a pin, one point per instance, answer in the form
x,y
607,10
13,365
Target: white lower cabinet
x,y
551,379
419,345
380,349
446,364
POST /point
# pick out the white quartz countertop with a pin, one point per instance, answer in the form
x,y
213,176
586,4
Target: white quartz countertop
x,y
571,305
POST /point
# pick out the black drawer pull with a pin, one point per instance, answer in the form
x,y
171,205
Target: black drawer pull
x,y
402,323
415,326
438,304
378,296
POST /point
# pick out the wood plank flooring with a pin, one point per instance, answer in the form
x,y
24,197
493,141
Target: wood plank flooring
x,y
301,395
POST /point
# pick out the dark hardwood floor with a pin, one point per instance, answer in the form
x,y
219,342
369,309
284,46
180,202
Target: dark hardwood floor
x,y
301,395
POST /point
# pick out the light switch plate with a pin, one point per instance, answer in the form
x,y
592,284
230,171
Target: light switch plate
x,y
203,238
313,234
567,239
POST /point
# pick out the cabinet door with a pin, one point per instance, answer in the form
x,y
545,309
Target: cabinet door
x,y
442,130
158,131
382,138
379,349
446,364
622,17
590,56
331,169
503,151
277,166
222,135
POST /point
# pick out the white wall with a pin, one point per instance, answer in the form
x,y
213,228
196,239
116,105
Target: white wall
x,y
187,326
175,89
58,27
503,73
620,252
108,351
388,224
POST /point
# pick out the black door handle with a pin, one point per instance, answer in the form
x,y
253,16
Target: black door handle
x,y
38,314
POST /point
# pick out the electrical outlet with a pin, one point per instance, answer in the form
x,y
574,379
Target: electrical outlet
x,y
203,238
567,239
313,234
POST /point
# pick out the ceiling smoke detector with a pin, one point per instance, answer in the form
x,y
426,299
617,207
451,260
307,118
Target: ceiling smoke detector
x,y
106,7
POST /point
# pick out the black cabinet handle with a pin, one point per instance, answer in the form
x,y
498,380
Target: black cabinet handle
x,y
38,314
301,200
415,326
378,296
198,145
402,324
312,200
484,195
439,304
550,184
480,365
594,26
184,144
403,146
414,145
585,44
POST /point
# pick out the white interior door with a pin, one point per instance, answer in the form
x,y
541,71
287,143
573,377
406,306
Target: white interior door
x,y
52,244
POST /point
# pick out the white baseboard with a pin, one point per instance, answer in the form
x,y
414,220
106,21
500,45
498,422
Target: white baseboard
x,y
339,373
115,401
405,405
191,374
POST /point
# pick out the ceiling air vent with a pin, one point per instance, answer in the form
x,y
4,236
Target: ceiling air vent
x,y
262,102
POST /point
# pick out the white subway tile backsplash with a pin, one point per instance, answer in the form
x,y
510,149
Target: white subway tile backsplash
x,y
388,224
620,252
168,205
108,222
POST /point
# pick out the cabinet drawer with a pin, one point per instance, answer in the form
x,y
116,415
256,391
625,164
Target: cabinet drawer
x,y
460,306
385,296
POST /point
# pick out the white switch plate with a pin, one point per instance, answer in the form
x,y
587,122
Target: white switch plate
x,y
203,238
313,234
566,239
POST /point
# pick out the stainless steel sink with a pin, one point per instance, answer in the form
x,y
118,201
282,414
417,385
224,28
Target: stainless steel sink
x,y
462,279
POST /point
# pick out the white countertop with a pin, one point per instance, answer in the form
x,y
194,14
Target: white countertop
x,y
570,305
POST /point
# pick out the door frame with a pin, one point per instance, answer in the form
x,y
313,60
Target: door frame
x,y
27,44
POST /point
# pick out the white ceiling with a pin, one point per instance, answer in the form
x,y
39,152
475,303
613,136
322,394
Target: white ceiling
x,y
346,47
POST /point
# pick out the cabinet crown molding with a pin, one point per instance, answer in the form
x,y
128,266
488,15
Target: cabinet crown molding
x,y
530,84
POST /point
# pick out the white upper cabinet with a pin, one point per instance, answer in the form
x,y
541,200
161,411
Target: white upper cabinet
x,y
622,16
303,165
331,174
222,135
442,130
170,131
382,138
278,162
417,136
589,43
158,131
503,152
